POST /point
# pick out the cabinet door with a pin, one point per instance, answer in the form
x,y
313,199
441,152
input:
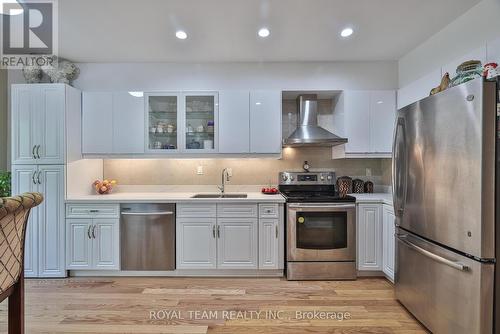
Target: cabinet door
x,y
51,226
163,122
97,122
268,244
388,241
128,123
369,237
265,122
196,243
24,127
50,114
357,121
234,120
201,122
24,180
419,88
382,115
78,243
106,248
237,243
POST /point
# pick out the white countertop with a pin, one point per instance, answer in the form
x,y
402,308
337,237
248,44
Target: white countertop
x,y
384,198
151,194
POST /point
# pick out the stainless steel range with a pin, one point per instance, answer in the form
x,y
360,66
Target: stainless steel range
x,y
321,227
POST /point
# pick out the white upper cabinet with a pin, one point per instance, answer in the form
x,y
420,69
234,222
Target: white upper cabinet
x,y
128,123
265,122
357,121
234,121
418,89
382,116
163,122
112,123
366,119
97,122
200,118
38,123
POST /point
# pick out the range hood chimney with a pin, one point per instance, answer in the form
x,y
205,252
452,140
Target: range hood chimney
x,y
308,133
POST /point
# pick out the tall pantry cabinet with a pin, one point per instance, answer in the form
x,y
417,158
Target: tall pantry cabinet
x,y
42,116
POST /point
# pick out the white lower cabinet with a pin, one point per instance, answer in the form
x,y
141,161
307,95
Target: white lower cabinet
x,y
93,243
44,240
268,243
196,243
369,217
237,243
388,241
238,236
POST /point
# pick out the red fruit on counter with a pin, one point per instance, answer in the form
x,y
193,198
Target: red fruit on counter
x,y
274,190
263,190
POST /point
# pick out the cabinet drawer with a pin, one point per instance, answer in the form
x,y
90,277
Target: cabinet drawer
x,y
196,210
269,211
236,210
92,211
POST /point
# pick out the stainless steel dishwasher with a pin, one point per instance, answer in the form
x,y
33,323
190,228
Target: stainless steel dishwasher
x,y
147,236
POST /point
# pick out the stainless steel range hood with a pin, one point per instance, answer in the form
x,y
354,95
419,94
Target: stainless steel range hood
x,y
308,133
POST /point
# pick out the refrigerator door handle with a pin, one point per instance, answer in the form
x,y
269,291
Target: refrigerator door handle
x,y
399,167
435,257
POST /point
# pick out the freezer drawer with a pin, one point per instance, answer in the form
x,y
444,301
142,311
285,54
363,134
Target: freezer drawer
x,y
447,292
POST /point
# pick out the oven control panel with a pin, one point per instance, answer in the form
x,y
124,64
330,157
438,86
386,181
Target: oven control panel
x,y
307,178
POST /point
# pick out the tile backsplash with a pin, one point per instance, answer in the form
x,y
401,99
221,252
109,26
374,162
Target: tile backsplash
x,y
246,171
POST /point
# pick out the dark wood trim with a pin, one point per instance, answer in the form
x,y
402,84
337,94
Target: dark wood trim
x,y
16,307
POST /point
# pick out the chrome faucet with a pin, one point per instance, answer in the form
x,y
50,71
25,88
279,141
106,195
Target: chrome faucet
x,y
225,178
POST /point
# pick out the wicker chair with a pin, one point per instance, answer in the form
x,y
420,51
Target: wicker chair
x,y
14,212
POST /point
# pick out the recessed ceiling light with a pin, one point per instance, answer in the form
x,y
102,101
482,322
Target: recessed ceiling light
x,y
346,32
264,32
180,34
258,103
380,102
137,94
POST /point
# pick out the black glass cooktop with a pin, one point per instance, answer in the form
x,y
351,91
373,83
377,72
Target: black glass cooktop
x,y
320,196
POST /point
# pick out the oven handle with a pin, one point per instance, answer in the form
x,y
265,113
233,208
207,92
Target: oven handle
x,y
320,205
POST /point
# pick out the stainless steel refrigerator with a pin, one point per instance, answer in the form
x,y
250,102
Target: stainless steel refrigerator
x,y
445,183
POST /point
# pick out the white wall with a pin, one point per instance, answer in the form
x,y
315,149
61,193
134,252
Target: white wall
x,y
472,30
218,76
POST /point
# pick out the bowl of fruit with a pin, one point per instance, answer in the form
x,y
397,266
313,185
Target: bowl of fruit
x,y
270,191
104,187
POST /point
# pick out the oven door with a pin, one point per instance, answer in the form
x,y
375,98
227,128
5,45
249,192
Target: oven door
x,y
321,232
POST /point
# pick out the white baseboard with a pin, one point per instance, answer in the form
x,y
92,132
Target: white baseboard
x,y
181,273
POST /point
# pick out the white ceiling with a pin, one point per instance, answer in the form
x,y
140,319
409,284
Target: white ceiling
x,y
226,30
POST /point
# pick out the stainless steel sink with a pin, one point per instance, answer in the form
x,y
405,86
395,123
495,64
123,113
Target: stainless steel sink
x,y
220,196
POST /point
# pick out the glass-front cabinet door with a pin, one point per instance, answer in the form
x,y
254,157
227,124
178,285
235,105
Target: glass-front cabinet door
x,y
201,122
162,120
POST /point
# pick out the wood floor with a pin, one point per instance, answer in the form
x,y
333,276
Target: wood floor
x,y
142,305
